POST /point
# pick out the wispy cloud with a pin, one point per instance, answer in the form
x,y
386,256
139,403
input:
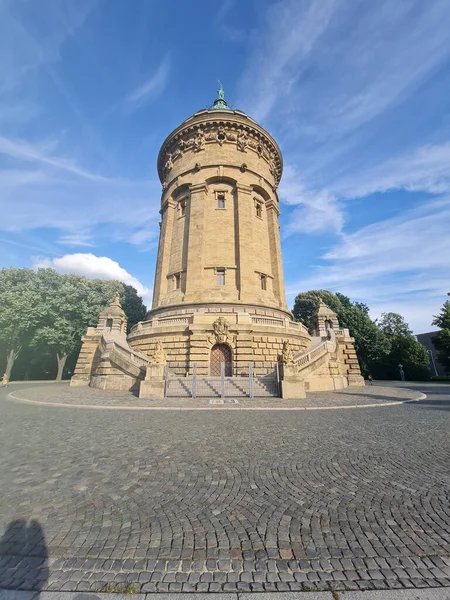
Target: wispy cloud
x,y
25,151
93,266
315,211
287,37
58,193
76,239
329,67
425,168
152,87
396,262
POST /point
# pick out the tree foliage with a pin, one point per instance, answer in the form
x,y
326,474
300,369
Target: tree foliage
x,y
132,305
393,324
380,346
46,313
442,338
20,308
371,344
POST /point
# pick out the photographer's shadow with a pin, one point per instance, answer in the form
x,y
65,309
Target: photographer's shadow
x,y
23,557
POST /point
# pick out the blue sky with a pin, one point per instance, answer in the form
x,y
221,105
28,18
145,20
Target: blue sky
x,y
355,92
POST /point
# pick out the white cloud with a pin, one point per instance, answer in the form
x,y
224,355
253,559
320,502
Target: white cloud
x,y
58,193
152,88
426,168
93,266
76,239
24,151
316,210
328,67
288,36
402,264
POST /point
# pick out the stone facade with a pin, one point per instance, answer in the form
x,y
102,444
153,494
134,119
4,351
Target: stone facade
x,y
219,279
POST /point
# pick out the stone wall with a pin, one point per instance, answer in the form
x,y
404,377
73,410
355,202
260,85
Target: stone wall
x,y
84,366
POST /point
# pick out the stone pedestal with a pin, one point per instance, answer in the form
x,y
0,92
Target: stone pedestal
x,y
154,382
292,384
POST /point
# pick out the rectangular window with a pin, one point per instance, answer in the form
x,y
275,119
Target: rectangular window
x,y
177,281
182,204
221,201
220,276
263,282
259,210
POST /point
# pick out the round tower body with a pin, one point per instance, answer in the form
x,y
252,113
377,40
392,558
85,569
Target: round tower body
x,y
219,237
219,252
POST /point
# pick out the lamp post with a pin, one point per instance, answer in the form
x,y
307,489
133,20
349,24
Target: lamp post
x,y
430,353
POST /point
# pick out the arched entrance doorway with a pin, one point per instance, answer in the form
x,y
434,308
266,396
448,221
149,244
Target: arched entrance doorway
x,y
220,353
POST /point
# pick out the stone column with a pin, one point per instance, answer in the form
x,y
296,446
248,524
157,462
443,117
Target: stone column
x,y
195,254
162,263
275,252
244,236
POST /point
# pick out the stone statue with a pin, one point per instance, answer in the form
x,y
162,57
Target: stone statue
x,y
169,163
158,357
242,141
287,356
199,141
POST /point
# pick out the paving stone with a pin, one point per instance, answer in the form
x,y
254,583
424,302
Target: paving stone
x,y
150,512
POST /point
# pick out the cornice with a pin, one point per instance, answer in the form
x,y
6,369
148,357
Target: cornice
x,y
222,128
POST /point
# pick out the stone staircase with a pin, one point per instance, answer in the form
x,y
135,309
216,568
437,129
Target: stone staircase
x,y
211,387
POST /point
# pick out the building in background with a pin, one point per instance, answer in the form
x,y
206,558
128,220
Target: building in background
x,y
426,339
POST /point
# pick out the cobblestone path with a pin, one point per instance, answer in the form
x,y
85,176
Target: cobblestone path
x,y
86,396
225,501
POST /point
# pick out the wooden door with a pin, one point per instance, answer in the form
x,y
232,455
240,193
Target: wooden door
x,y
220,353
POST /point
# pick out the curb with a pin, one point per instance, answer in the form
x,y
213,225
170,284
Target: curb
x,y
437,593
14,398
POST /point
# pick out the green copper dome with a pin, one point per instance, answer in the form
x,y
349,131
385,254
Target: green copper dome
x,y
220,103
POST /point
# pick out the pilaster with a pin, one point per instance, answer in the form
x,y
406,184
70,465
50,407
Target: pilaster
x,y
244,243
195,254
275,252
162,262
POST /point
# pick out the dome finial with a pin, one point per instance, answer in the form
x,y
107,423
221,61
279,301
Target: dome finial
x,y
220,103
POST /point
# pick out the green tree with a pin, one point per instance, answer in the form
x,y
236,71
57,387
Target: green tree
x,y
20,308
405,350
305,305
371,344
393,324
442,338
132,305
47,313
72,304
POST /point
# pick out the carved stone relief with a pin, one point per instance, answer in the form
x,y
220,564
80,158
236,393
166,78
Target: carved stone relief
x,y
196,139
221,333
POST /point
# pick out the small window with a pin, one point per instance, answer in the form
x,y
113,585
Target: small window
x,y
263,282
220,200
220,276
182,205
258,209
109,323
177,281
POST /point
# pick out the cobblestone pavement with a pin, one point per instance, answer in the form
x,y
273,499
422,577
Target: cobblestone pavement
x,y
189,501
86,396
